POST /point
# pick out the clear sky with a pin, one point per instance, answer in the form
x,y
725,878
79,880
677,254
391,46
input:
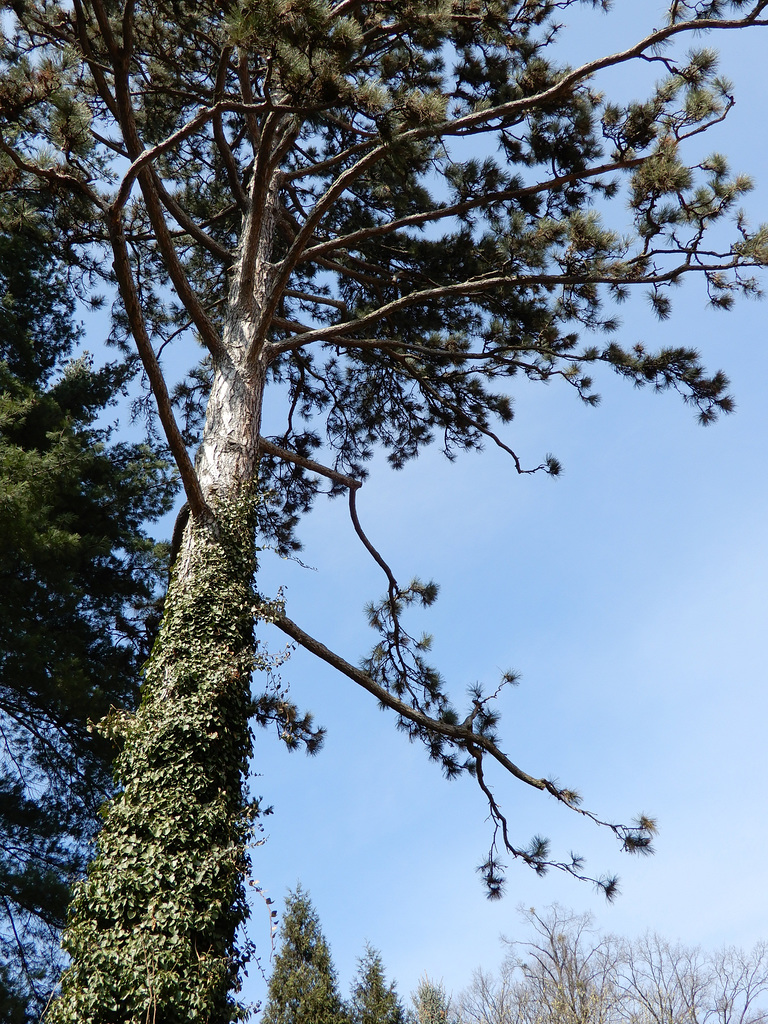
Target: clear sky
x,y
631,594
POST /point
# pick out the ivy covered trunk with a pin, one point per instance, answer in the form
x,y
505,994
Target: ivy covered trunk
x,y
152,931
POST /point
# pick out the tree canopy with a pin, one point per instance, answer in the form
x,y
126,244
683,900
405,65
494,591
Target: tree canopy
x,y
566,971
288,182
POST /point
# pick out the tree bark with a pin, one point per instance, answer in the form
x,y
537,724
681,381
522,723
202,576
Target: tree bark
x,y
152,929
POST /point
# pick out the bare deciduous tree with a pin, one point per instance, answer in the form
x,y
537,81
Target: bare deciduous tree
x,y
568,973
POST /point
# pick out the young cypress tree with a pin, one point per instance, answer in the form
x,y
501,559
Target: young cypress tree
x,y
303,987
373,1000
386,214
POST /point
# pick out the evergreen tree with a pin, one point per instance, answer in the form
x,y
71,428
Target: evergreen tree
x,y
432,1005
288,181
303,987
78,576
373,1000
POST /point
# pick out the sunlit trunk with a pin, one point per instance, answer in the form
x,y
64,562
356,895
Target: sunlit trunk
x,y
152,930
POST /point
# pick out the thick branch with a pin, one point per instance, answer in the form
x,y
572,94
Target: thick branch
x,y
152,368
474,286
227,156
634,838
148,182
310,464
458,734
190,227
147,156
457,209
260,205
306,232
93,64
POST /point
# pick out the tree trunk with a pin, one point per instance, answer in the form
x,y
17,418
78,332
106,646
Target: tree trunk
x,y
152,931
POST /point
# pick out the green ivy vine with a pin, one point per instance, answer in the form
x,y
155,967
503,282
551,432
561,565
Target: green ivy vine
x,y
152,928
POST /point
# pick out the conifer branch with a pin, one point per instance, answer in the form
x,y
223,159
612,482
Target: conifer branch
x,y
94,65
314,467
337,333
392,582
195,231
464,416
488,199
127,285
504,111
459,734
55,178
105,30
233,175
352,486
635,838
148,180
480,121
289,262
322,300
148,156
246,90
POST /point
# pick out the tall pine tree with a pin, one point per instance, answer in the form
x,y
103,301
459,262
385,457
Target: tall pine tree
x,y
303,988
385,216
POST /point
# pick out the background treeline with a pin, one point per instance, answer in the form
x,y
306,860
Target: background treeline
x,y
303,986
562,972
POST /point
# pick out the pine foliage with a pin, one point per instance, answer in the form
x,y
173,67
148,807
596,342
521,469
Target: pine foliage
x,y
432,1004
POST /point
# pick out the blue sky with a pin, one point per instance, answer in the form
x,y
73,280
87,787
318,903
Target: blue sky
x,y
631,594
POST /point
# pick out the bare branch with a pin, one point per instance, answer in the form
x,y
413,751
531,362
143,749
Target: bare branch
x,y
458,734
127,285
393,587
310,464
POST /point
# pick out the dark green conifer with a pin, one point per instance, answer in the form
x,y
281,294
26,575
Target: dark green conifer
x,y
78,578
373,1000
303,987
